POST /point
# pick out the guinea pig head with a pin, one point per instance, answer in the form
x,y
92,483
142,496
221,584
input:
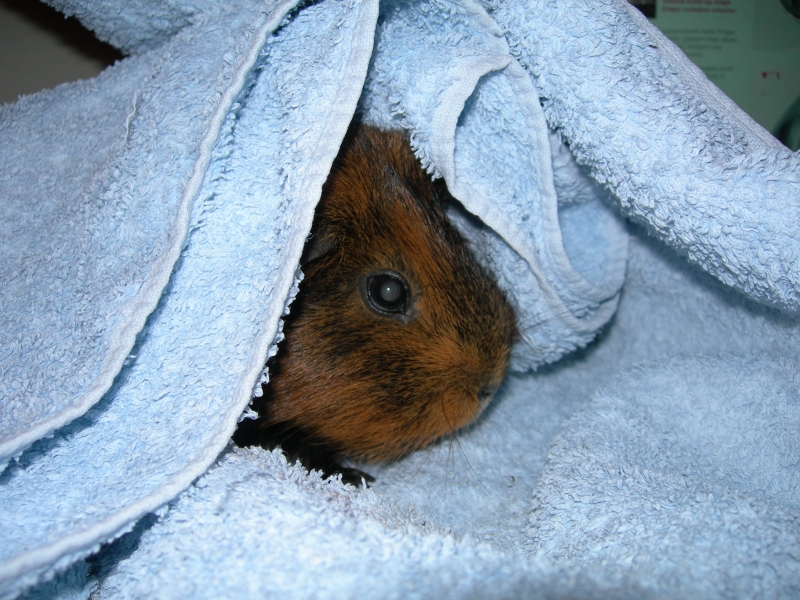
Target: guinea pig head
x,y
397,337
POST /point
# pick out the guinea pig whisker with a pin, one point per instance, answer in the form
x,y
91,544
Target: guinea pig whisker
x,y
454,436
482,415
415,474
486,417
450,438
513,418
474,423
447,461
471,468
501,411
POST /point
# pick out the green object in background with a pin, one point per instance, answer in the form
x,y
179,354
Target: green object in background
x,y
788,129
749,48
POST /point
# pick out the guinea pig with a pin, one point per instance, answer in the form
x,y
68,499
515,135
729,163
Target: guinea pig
x,y
397,336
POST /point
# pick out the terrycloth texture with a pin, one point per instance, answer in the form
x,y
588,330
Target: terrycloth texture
x,y
695,462
214,141
256,497
176,403
677,153
89,247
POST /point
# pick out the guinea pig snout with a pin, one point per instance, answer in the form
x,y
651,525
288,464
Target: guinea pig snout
x,y
486,393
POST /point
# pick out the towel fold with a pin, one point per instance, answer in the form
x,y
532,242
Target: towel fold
x,y
251,186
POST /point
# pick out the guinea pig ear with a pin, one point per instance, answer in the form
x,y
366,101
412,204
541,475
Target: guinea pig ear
x,y
442,194
317,245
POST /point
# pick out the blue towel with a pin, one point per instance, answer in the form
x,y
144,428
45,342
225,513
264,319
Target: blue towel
x,y
196,359
153,220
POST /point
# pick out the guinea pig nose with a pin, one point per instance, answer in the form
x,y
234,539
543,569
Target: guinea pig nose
x,y
486,393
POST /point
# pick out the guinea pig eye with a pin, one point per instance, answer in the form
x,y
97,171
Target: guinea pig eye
x,y
387,293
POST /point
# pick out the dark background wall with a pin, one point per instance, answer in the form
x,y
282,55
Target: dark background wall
x,y
39,49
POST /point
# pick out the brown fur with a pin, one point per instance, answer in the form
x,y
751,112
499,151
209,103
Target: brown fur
x,y
352,383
